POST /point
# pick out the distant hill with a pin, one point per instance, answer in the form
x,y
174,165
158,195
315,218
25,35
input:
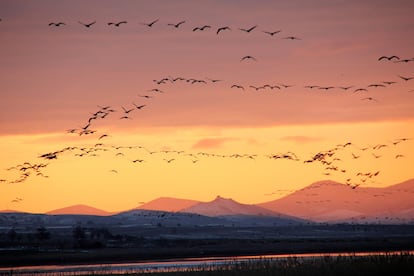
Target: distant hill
x,y
168,204
225,206
331,201
406,185
241,214
79,210
9,211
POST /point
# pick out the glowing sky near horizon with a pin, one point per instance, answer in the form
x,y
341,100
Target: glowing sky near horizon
x,y
53,78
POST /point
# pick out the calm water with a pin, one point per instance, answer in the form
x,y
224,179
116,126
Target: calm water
x,y
165,266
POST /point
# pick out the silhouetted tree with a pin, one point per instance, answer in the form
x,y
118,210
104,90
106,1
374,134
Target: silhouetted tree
x,y
79,235
42,233
12,235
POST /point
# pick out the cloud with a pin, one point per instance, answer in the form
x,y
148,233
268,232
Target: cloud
x,y
301,139
210,143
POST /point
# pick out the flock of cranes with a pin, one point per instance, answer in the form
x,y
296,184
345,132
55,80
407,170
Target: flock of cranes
x,y
127,111
178,25
329,159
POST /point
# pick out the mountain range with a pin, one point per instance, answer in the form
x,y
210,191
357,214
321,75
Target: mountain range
x,y
329,201
323,201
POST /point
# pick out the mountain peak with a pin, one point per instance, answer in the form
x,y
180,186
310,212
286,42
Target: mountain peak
x,y
168,204
222,199
79,209
226,206
326,183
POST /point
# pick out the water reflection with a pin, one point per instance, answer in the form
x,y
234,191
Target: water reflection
x,y
188,264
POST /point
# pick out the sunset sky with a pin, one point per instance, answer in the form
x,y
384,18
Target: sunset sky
x,y
54,78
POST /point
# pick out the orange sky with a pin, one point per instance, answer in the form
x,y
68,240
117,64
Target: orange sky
x,y
54,78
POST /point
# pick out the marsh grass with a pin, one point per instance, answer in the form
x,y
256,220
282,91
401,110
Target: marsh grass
x,y
395,264
349,265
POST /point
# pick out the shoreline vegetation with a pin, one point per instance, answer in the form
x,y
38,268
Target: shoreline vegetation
x,y
395,263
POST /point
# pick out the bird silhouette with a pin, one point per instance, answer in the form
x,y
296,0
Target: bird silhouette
x,y
292,38
145,96
326,87
138,161
388,58
117,24
369,99
312,86
87,25
72,130
58,24
193,81
237,86
151,23
256,87
403,139
355,156
156,90
345,87
379,146
248,58
223,29
376,156
17,200
248,30
176,25
406,78
285,85
272,33
389,82
403,60
202,28
139,106
87,126
376,85
213,80
126,111
103,136
177,79
360,90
